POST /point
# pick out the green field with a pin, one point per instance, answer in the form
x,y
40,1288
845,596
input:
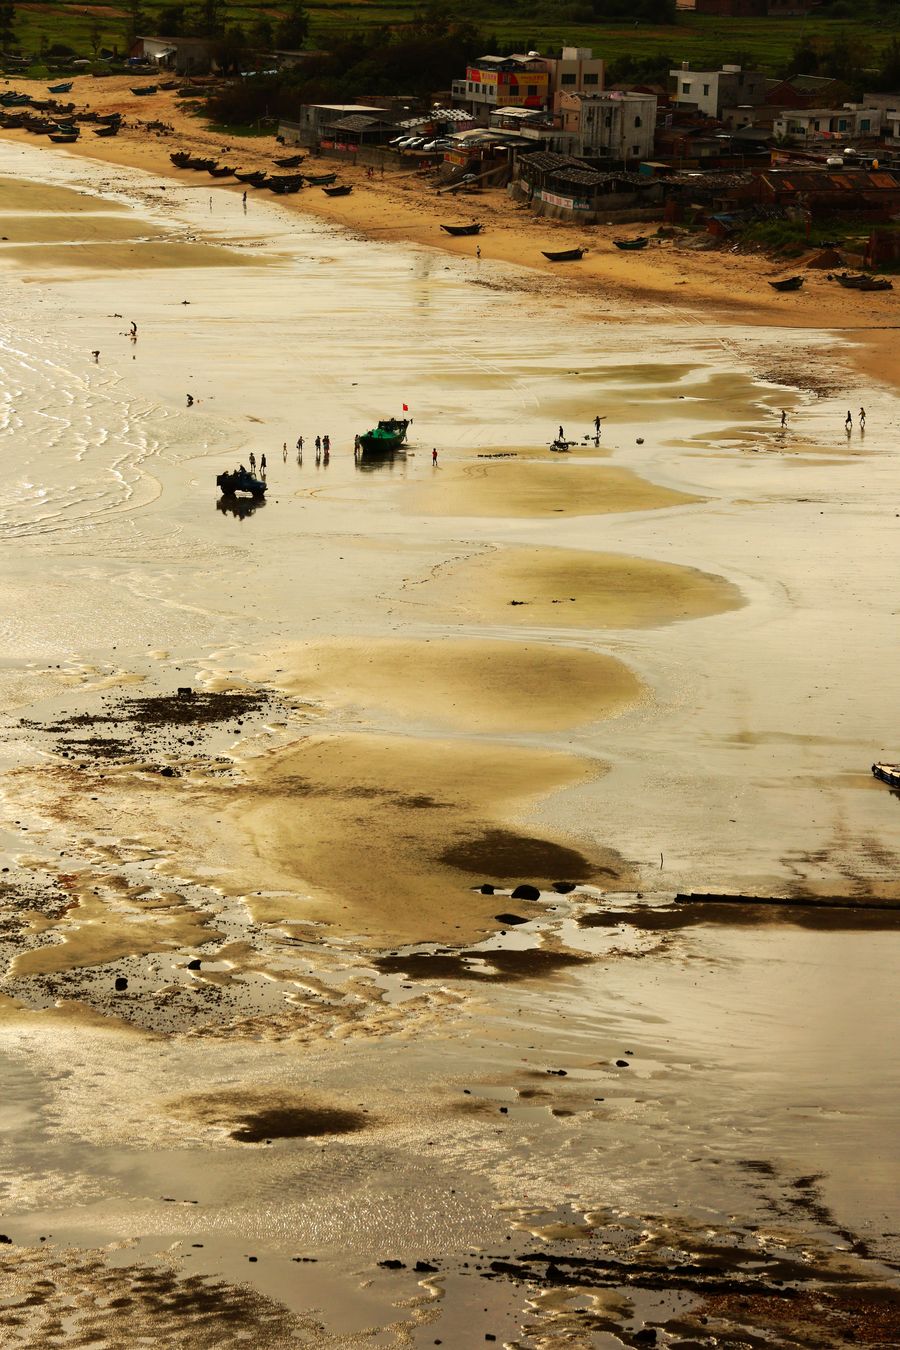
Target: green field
x,y
703,40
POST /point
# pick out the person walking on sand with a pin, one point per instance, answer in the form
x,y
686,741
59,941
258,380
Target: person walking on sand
x,y
252,462
96,356
783,418
477,250
562,434
848,424
318,444
244,201
862,419
434,457
284,452
326,444
300,444
597,425
262,466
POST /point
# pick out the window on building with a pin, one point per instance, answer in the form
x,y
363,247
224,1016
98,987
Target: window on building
x,y
607,121
635,149
842,124
686,88
593,78
706,90
568,77
865,123
531,90
637,121
815,126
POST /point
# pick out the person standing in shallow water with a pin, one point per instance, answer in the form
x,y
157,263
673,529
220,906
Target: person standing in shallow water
x,y
848,424
434,456
252,462
862,419
262,466
783,418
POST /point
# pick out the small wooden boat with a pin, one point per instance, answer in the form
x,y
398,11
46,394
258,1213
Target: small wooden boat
x,y
63,137
320,179
461,229
290,162
111,130
106,118
181,159
565,255
229,484
250,176
343,190
60,88
875,284
888,773
849,280
285,182
629,245
143,91
220,171
168,84
200,164
788,284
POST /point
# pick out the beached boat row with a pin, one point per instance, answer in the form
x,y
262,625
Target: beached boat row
x,y
279,183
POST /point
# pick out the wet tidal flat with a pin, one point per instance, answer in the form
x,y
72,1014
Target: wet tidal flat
x,y
447,903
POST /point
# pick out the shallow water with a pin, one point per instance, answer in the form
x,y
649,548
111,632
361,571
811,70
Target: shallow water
x,y
754,1054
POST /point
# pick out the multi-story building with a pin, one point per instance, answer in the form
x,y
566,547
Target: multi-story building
x,y
618,126
712,90
528,80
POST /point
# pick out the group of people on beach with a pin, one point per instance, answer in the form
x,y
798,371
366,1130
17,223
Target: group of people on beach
x,y
848,420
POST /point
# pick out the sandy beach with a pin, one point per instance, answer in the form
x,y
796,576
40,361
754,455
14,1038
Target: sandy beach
x,y
444,903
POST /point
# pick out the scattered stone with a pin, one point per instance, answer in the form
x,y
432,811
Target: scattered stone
x,y
121,983
563,887
391,1264
526,892
185,691
252,1258
510,919
195,964
8,1240
486,889
647,1336
622,1064
167,771
424,1268
560,1073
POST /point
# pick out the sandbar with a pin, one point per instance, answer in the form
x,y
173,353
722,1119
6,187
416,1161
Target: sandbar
x,y
576,589
511,487
470,685
19,194
109,257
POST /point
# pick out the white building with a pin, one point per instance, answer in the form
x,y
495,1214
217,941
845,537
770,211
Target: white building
x,y
822,124
614,125
892,127
712,90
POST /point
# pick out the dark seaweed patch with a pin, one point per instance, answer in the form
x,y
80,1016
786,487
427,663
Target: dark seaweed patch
x,y
504,854
297,1123
491,967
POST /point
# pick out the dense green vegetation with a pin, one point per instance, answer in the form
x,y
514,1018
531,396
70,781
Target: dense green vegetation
x,y
393,41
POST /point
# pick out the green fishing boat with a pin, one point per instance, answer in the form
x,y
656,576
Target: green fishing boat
x,y
387,436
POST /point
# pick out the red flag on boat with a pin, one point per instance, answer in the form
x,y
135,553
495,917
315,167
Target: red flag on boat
x,y
405,408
